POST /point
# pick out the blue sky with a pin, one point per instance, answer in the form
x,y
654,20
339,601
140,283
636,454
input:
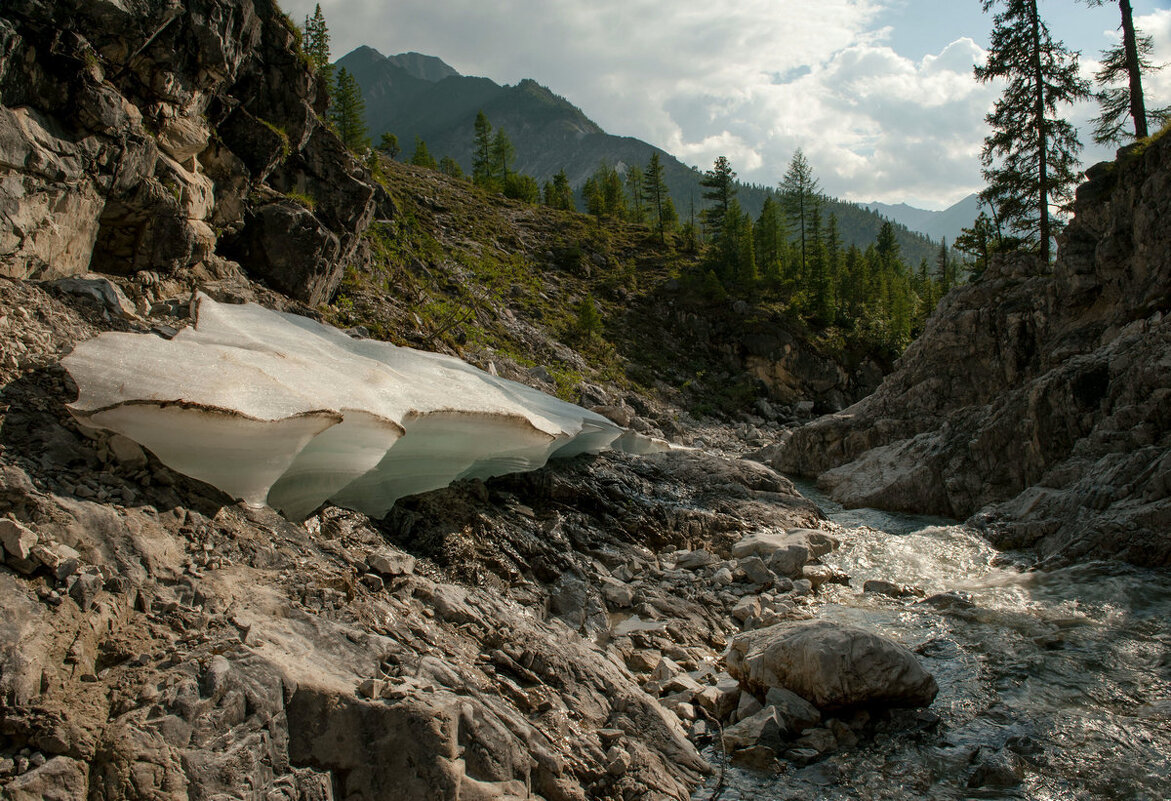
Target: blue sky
x,y
878,93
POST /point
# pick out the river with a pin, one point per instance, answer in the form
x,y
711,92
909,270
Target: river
x,y
1054,686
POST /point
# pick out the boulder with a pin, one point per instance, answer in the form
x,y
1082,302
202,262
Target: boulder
x,y
18,539
795,710
756,571
693,560
833,666
764,728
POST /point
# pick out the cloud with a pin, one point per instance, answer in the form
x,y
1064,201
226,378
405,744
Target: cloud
x,y
752,80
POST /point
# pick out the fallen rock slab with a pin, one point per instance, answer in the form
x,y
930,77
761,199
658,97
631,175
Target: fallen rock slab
x,y
831,665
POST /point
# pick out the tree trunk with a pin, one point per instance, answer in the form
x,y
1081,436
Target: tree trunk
x,y
1042,132
1137,110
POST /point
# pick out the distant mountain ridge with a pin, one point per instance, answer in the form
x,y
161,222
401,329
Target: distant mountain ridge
x,y
937,225
414,95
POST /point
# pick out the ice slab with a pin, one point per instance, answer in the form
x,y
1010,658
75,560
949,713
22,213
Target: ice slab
x,y
279,409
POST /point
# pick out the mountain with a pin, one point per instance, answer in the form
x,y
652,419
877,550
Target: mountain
x,y
412,95
937,225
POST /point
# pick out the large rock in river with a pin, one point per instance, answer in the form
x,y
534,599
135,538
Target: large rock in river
x,y
831,665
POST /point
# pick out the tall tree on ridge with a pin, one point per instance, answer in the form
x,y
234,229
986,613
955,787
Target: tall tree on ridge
x,y
1128,59
315,44
1037,152
348,112
482,152
799,195
654,192
719,185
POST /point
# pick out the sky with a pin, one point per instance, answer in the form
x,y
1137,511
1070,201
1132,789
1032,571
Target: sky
x,y
878,94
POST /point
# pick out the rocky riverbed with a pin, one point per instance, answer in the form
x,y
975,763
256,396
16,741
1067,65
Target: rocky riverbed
x,y
558,634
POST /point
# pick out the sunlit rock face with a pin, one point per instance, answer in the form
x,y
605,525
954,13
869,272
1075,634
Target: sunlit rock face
x,y
275,408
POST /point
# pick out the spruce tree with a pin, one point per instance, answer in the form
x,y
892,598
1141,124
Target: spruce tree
x,y
558,194
449,166
654,192
799,195
978,242
388,144
422,156
502,159
719,185
482,152
315,45
634,190
771,240
1030,158
1128,60
348,112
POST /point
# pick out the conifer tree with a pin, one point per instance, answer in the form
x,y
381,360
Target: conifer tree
x,y
482,152
315,45
771,240
719,185
1128,60
979,241
634,181
422,156
558,194
799,195
449,166
519,186
1030,158
654,192
388,144
348,112
502,158
942,260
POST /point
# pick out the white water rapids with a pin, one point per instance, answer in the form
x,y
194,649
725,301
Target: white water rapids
x,y
1070,670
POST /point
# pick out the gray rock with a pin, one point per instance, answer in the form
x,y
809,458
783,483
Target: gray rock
x,y
789,560
694,560
391,563
747,607
997,769
618,594
880,587
756,571
795,710
764,728
18,539
59,779
831,665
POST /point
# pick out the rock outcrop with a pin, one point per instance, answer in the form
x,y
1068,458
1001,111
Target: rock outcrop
x,y
1039,398
170,137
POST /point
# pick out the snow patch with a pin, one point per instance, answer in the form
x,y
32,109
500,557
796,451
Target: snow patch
x,y
279,409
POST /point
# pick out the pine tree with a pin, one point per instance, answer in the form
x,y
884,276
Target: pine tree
x,y
502,158
315,45
449,166
558,194
482,152
719,185
1128,60
654,192
979,242
634,191
348,112
388,144
1030,158
942,260
771,240
799,194
422,156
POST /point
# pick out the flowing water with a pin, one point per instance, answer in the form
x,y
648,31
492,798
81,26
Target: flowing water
x,y
1067,673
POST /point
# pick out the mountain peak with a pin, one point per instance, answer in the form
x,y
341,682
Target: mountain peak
x,y
424,67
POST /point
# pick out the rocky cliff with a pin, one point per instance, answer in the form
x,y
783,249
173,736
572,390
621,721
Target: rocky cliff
x,y
1039,398
179,138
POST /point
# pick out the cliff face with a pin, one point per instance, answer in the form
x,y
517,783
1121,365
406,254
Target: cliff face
x,y
169,136
1040,400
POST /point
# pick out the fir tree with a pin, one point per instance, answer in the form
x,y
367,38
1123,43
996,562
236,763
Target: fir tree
x,y
422,156
719,185
1030,158
348,112
482,152
654,192
979,242
799,195
315,45
449,166
503,156
634,190
1127,60
388,144
771,239
558,194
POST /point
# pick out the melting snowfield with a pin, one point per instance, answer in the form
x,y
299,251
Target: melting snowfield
x,y
279,409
